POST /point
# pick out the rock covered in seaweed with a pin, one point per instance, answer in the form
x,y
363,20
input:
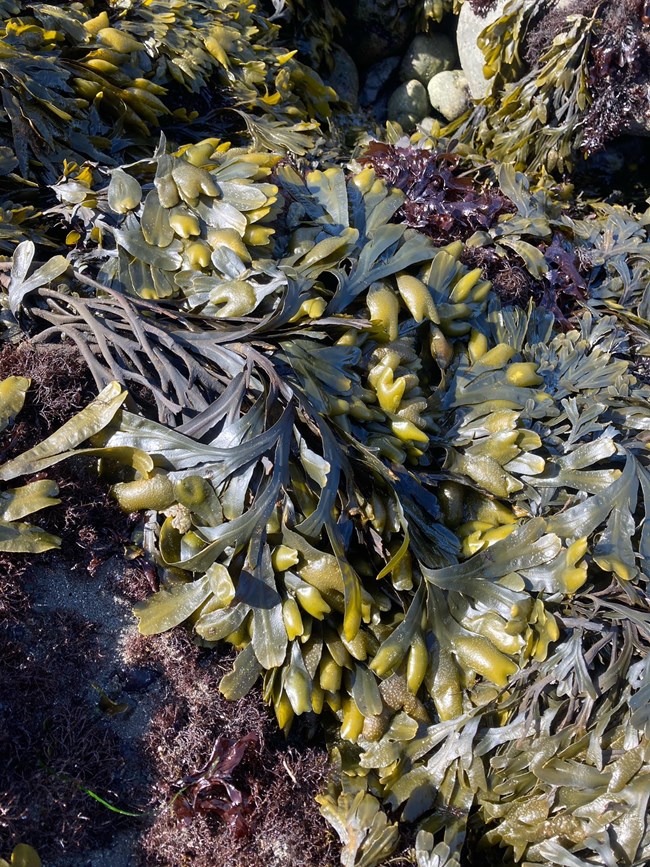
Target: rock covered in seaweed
x,y
559,79
470,26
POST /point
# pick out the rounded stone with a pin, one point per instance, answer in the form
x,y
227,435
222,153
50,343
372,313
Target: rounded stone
x,y
344,77
470,27
377,80
377,29
449,93
408,104
426,56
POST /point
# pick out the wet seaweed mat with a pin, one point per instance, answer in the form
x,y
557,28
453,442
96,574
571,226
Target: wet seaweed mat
x,y
99,727
359,430
57,749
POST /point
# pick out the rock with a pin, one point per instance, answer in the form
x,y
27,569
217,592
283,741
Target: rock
x,y
377,29
409,104
344,77
376,79
449,93
427,125
470,26
427,56
640,125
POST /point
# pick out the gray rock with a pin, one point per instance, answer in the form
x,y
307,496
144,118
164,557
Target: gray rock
x,y
426,125
427,56
377,29
376,78
344,77
449,93
409,104
471,57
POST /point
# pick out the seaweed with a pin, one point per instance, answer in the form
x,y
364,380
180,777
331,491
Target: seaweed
x,y
85,85
280,776
482,7
211,789
302,608
565,83
441,199
388,426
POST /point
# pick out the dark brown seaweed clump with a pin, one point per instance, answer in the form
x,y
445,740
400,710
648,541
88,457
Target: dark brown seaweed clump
x,y
54,743
482,7
270,798
559,290
442,200
61,385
